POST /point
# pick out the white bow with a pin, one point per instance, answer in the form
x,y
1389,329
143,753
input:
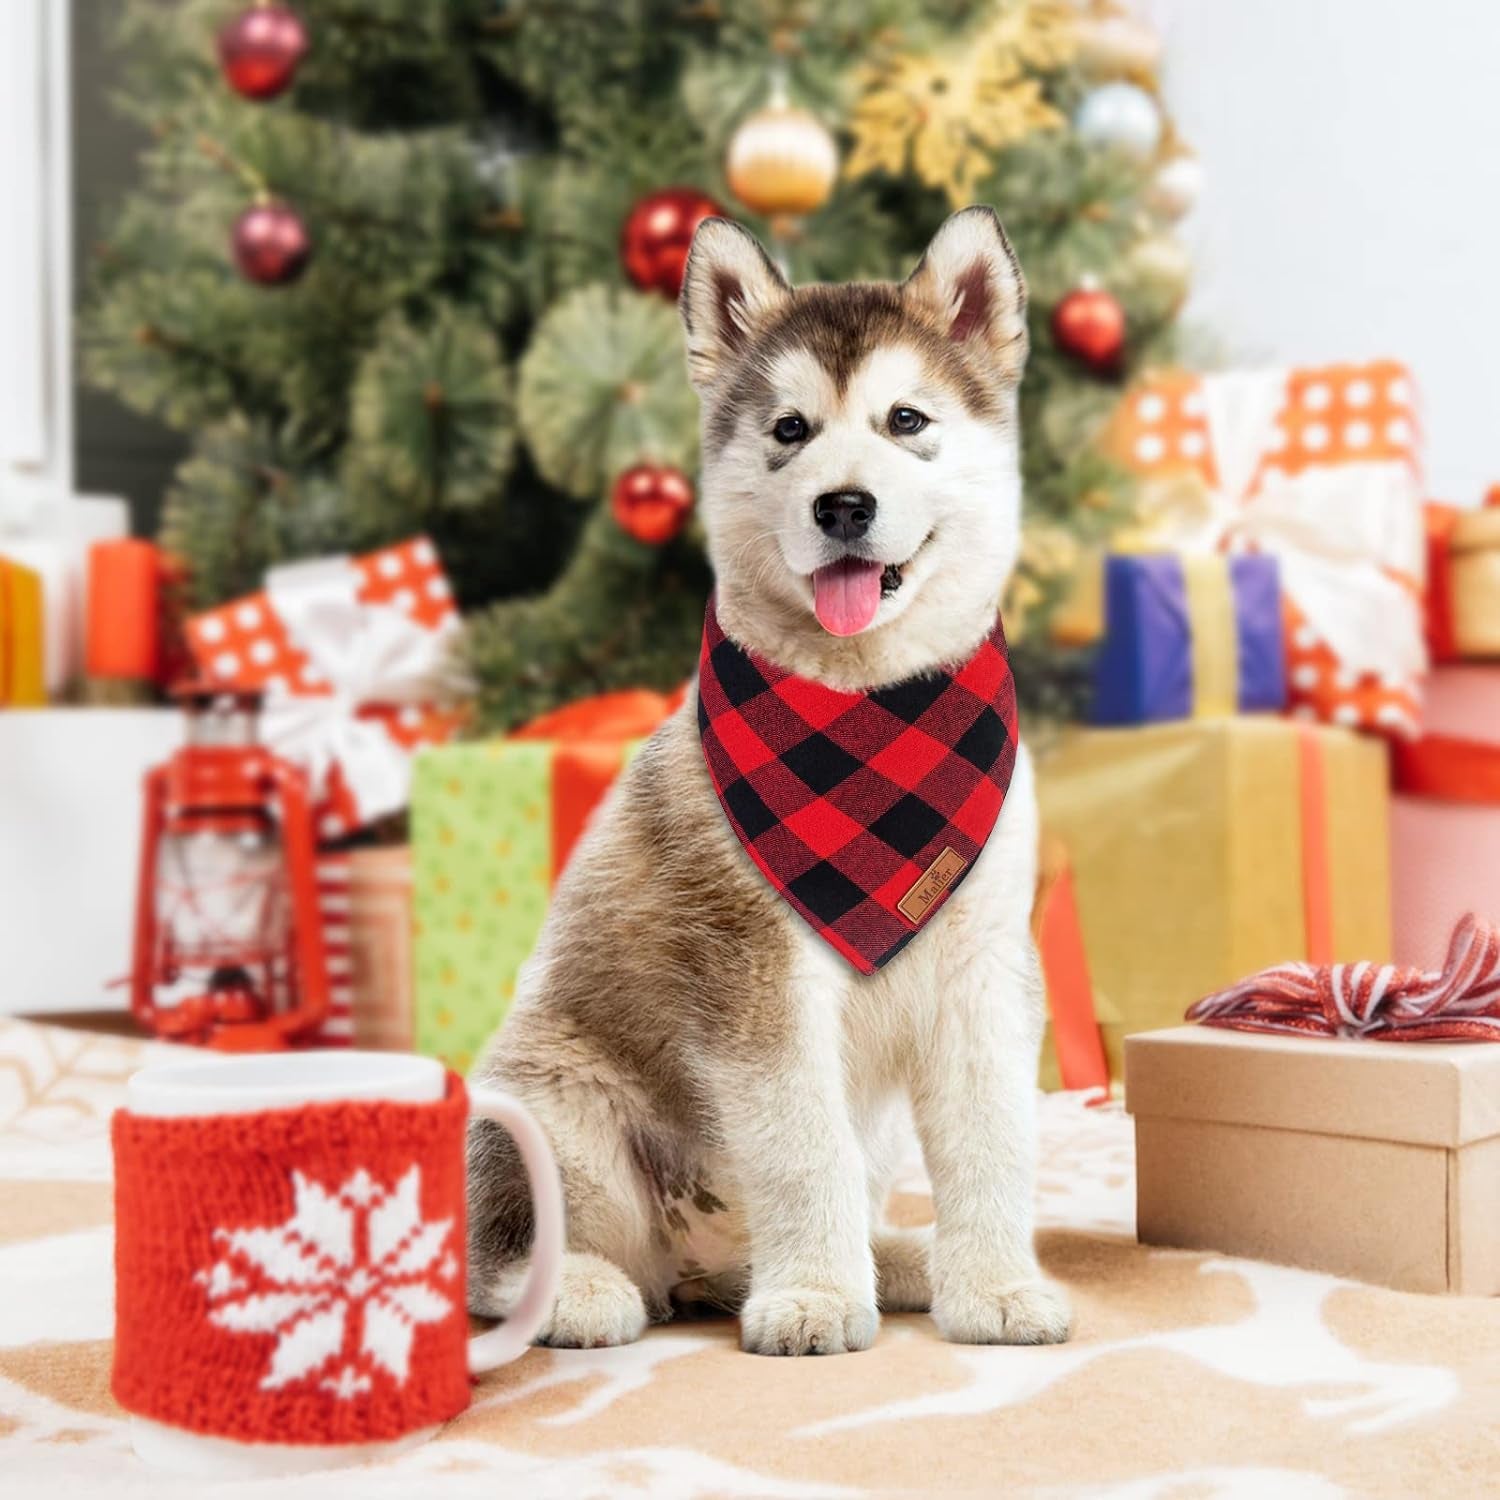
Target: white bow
x,y
1331,528
369,654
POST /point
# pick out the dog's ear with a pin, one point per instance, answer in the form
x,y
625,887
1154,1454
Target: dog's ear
x,y
971,281
729,289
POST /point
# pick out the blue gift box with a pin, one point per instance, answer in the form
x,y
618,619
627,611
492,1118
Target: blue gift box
x,y
1189,637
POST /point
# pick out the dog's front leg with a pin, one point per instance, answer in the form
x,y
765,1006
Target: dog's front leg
x,y
974,1099
787,1130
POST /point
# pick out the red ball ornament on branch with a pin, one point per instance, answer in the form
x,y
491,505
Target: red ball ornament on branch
x,y
270,244
657,235
1089,325
260,49
651,503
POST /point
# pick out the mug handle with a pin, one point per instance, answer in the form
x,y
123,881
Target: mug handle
x,y
513,1337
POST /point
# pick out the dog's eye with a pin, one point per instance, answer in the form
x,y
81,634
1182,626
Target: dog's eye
x,y
789,429
906,420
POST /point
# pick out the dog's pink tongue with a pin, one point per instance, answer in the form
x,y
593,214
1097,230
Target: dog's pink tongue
x,y
846,595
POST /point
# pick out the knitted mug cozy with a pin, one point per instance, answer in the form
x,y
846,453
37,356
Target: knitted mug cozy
x,y
293,1275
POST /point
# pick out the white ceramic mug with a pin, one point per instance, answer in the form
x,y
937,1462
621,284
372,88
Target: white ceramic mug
x,y
288,1082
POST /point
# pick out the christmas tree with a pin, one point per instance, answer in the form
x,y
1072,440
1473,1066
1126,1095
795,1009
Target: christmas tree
x,y
402,267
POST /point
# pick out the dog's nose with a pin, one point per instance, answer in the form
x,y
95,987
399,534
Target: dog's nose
x,y
845,514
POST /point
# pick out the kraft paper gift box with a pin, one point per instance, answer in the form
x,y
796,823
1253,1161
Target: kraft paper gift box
x,y
492,826
1207,849
1318,468
1374,1160
1189,637
1445,816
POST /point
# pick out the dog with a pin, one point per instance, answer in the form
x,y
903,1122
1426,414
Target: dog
x,y
724,1092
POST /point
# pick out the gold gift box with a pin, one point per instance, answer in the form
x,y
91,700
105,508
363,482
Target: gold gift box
x,y
1205,850
1475,564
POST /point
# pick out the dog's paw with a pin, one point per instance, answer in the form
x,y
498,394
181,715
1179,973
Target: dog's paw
x,y
806,1320
597,1306
1023,1312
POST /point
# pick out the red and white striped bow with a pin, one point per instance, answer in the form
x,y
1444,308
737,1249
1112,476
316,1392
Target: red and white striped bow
x,y
1461,1002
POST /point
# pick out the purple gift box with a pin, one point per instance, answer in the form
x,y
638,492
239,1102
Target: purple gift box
x,y
1145,671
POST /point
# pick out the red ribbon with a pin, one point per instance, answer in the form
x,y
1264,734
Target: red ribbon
x,y
1317,865
1439,521
1458,1003
1452,770
1081,1063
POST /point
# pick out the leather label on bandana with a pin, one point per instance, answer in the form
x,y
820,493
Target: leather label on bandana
x,y
939,875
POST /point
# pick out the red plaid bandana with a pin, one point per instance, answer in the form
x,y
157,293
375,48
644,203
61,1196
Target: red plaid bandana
x,y
863,810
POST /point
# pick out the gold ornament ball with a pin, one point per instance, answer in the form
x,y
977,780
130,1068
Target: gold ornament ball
x,y
782,160
1163,266
1113,46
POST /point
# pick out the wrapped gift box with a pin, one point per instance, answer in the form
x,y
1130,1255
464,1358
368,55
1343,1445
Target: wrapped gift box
x,y
1368,1159
365,896
1463,581
1317,468
22,632
1189,637
1445,816
353,656
1207,849
492,827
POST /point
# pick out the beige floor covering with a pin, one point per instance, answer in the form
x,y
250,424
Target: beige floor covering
x,y
1189,1376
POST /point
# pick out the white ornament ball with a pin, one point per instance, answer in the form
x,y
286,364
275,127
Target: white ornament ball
x,y
1175,189
1120,115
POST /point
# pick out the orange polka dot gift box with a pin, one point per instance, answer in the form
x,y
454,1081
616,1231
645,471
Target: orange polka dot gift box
x,y
352,655
1318,468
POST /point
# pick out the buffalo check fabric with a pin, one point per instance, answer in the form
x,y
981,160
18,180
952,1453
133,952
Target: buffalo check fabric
x,y
860,808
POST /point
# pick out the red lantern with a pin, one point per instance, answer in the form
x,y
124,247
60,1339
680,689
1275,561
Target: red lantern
x,y
228,937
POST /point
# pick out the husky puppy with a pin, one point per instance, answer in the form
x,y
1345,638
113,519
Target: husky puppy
x,y
722,1089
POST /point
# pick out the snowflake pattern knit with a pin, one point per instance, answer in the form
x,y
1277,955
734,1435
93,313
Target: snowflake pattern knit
x,y
296,1275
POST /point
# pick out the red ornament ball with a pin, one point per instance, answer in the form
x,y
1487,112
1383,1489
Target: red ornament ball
x,y
657,235
260,49
270,244
651,503
1089,324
